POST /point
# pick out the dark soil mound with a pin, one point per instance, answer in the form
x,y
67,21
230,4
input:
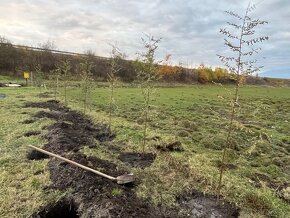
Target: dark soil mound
x,y
137,159
72,130
30,133
202,205
51,104
51,115
65,136
62,209
36,155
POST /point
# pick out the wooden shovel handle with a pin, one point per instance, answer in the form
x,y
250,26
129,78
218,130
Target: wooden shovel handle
x,y
73,163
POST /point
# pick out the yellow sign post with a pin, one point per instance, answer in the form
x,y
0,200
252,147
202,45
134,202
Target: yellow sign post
x,y
26,76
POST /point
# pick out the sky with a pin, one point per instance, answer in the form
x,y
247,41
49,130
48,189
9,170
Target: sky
x,y
189,28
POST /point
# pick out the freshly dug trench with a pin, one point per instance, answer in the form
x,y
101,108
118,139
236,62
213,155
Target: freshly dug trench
x,y
121,180
64,208
36,155
95,195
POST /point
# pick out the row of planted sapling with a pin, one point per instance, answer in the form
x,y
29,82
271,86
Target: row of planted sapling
x,y
240,40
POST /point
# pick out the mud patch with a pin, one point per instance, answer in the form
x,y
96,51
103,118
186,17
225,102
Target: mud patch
x,y
137,159
31,133
201,205
62,209
36,155
2,96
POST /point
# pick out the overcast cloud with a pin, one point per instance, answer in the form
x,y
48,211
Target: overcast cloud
x,y
189,28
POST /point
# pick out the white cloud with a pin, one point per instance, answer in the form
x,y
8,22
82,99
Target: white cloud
x,y
189,28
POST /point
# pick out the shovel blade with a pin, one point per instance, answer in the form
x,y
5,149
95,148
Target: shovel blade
x,y
125,179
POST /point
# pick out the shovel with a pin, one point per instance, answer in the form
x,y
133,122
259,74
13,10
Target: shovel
x,y
123,179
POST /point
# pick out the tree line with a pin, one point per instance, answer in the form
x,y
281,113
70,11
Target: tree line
x,y
14,60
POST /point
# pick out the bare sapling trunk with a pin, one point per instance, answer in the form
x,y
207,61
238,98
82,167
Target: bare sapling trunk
x,y
56,88
147,102
86,75
116,55
147,73
65,70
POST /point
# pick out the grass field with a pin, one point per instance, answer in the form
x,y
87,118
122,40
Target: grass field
x,y
258,177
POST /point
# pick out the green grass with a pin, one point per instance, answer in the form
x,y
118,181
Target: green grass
x,y
12,79
195,115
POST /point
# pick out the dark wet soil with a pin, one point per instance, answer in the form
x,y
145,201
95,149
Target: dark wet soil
x,y
137,159
31,133
93,194
2,96
64,208
201,205
36,155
